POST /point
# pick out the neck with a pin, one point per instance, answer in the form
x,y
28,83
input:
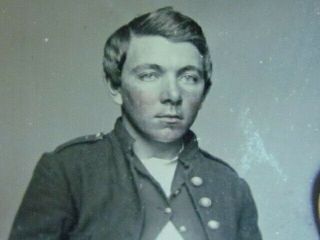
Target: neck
x,y
147,148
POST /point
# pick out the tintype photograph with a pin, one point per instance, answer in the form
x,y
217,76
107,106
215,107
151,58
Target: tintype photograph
x,y
167,120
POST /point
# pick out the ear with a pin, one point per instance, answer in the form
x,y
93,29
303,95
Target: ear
x,y
115,94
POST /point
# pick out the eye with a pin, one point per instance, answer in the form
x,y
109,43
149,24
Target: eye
x,y
190,78
148,76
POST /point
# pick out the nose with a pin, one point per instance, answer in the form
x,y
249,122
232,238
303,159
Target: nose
x,y
170,92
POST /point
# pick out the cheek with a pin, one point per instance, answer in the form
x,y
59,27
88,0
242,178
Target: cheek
x,y
194,102
139,100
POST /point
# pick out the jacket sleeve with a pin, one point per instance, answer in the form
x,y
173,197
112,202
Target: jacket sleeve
x,y
248,222
46,208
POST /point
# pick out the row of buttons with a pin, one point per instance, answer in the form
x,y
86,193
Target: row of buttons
x,y
212,224
181,228
205,202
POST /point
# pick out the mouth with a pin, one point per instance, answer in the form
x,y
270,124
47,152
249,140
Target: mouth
x,y
170,118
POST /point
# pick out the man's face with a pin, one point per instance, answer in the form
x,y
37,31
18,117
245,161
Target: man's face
x,y
161,88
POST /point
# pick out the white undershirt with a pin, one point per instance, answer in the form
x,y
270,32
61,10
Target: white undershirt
x,y
163,171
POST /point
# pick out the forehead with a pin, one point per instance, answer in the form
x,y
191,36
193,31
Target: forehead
x,y
163,52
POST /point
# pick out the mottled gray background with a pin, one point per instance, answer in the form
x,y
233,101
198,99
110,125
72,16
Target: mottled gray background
x,y
262,115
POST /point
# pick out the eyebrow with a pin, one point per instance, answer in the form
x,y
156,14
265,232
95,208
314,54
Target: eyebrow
x,y
158,68
191,68
142,67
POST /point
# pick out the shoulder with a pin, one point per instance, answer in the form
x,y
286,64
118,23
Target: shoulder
x,y
80,142
217,162
79,155
80,151
219,172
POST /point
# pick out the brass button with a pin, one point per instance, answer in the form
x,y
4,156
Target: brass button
x,y
197,181
99,135
205,202
213,224
176,193
182,229
168,210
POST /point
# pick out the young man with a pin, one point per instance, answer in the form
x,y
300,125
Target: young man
x,y
147,179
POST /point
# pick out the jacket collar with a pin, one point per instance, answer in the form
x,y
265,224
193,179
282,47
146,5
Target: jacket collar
x,y
187,156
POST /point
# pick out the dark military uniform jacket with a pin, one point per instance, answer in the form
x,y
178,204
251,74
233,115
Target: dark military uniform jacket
x,y
87,189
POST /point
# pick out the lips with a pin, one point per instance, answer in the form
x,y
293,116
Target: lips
x,y
169,118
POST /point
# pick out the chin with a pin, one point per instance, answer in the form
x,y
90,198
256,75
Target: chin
x,y
168,137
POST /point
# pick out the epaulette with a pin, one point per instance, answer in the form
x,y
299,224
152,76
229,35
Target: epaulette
x,y
79,140
208,155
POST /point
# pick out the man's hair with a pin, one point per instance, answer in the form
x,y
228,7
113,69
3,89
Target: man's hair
x,y
164,22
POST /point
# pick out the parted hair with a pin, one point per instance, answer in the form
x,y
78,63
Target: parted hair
x,y
164,22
